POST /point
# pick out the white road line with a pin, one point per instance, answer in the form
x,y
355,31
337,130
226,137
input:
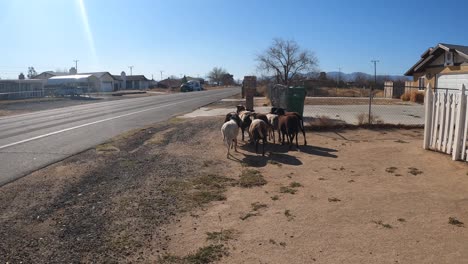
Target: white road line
x,y
91,123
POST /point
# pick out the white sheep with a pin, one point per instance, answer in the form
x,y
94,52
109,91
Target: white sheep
x,y
230,130
273,122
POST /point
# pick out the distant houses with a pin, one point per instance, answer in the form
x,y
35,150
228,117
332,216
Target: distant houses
x,y
106,81
46,83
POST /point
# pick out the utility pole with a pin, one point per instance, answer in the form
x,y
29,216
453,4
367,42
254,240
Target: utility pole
x,y
76,65
339,77
131,70
161,74
372,88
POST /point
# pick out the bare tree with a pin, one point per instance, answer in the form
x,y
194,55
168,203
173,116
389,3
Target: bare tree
x,y
286,60
216,75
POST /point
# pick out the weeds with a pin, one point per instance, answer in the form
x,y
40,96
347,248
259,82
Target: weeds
x,y
223,235
274,162
383,224
401,220
257,206
272,241
288,215
284,189
334,199
275,197
251,178
248,215
414,171
363,119
106,148
283,244
456,222
391,169
208,254
295,185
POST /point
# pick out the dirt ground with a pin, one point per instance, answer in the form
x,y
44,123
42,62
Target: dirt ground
x,y
167,194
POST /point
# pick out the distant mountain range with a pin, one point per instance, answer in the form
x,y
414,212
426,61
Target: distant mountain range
x,y
351,76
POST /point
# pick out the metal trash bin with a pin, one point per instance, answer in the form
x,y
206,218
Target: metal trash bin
x,y
296,99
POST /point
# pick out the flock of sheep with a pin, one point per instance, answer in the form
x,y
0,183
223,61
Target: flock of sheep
x,y
262,126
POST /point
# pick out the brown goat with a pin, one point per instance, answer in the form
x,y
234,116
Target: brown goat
x,y
281,111
289,127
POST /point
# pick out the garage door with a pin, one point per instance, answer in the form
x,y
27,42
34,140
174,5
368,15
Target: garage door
x,y
452,81
106,87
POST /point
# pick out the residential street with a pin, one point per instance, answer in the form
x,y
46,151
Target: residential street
x,y
32,141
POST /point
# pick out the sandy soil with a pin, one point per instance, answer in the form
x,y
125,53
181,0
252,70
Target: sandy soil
x,y
359,203
156,192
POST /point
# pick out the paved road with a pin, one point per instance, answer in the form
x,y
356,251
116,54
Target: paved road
x,y
31,141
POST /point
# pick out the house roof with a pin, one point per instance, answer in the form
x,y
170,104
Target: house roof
x,y
99,74
117,77
432,53
136,78
57,80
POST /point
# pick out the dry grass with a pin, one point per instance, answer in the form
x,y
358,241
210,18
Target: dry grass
x,y
417,97
284,189
251,178
223,235
454,221
342,92
406,97
208,254
257,206
363,119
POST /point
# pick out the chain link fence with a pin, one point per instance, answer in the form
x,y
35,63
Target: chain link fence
x,y
392,104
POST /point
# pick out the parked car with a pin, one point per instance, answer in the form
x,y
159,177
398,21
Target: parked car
x,y
191,86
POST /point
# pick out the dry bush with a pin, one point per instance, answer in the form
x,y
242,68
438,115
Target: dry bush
x,y
323,121
406,97
363,119
417,97
261,90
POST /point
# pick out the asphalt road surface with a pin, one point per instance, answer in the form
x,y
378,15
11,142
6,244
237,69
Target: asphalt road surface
x,y
31,141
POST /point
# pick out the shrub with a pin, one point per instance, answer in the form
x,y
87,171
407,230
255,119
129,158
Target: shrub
x,y
417,97
406,96
363,119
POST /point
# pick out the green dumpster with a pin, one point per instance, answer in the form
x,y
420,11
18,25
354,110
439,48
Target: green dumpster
x,y
295,99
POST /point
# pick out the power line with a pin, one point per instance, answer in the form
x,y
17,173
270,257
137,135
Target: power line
x,y
372,88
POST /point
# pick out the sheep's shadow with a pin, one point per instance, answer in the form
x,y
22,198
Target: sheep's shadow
x,y
261,161
319,151
311,150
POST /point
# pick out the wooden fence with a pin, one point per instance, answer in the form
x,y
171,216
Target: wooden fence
x,y
446,122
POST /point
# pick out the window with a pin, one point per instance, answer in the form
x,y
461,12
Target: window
x,y
421,83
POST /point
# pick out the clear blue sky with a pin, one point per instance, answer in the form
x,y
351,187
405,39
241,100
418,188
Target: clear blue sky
x,y
191,37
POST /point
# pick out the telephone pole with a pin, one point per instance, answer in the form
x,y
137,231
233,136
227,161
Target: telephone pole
x,y
161,74
372,88
131,70
76,65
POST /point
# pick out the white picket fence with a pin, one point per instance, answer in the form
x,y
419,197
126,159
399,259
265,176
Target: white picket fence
x,y
446,122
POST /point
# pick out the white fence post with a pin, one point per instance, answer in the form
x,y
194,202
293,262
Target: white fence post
x,y
428,116
459,126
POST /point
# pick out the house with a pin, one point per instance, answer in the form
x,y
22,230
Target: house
x,y
443,66
87,82
170,83
136,82
106,82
